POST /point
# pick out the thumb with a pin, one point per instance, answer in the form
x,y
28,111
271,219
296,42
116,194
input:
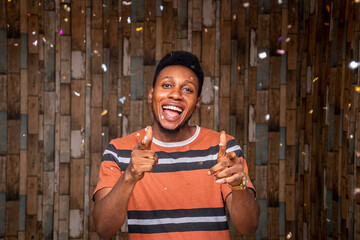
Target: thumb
x,y
147,140
222,145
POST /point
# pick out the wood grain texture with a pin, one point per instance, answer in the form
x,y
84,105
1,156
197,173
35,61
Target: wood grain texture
x,y
294,112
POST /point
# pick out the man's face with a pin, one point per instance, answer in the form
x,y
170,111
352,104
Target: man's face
x,y
174,97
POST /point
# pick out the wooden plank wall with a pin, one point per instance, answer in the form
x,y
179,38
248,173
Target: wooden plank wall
x,y
75,74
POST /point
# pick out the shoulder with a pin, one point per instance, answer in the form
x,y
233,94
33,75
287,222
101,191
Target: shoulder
x,y
129,141
210,134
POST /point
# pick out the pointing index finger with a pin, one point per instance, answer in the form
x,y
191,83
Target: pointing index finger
x,y
222,146
147,140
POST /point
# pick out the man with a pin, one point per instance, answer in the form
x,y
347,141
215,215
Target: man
x,y
172,180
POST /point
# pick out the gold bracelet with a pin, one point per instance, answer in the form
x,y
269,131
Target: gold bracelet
x,y
242,185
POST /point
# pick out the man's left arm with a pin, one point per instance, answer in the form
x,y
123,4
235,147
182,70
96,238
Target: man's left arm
x,y
243,207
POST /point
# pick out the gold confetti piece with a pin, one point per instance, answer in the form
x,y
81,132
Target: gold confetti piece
x,y
349,105
66,19
139,29
351,136
357,88
357,153
315,79
104,112
327,8
304,153
102,134
311,111
289,235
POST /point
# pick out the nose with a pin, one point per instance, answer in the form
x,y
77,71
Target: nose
x,y
175,94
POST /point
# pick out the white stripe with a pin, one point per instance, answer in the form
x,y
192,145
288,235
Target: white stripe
x,y
120,159
176,220
233,149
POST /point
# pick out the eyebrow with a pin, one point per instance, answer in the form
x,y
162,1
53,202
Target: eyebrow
x,y
171,78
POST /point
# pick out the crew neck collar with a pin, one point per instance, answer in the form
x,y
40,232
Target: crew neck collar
x,y
178,144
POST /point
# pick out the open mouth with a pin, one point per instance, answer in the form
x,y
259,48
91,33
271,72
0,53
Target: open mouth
x,y
172,111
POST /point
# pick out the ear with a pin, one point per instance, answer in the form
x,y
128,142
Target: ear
x,y
198,103
150,95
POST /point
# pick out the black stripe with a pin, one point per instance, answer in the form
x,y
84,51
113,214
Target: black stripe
x,y
181,227
173,167
176,155
177,213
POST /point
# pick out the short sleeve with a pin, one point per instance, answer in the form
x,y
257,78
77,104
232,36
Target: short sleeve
x,y
109,174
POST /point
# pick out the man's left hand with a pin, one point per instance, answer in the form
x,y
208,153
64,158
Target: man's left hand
x,y
229,168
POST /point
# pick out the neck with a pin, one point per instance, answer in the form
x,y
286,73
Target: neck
x,y
178,135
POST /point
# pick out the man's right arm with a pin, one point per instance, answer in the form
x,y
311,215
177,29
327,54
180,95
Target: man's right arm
x,y
110,207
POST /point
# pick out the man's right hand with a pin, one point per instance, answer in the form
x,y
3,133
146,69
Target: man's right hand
x,y
142,158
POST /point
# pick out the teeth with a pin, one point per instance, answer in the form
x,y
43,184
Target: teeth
x,y
174,108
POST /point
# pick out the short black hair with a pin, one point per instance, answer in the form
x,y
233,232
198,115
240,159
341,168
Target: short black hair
x,y
182,58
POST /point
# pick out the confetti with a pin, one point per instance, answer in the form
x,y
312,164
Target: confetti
x,y
289,235
357,88
161,8
35,43
216,88
119,19
351,136
353,65
51,45
262,55
138,134
104,68
280,38
289,26
104,5
328,8
303,153
356,191
357,155
280,51
126,3
33,32
162,117
246,4
61,32
281,144
311,111
357,1
234,16
104,112
77,94
139,29
279,1
102,134
44,39
122,99
267,117
288,39
209,107
239,68
16,44
120,115
66,19
315,79
128,20
206,30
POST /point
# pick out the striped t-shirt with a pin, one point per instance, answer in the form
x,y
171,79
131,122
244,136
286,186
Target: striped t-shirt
x,y
178,200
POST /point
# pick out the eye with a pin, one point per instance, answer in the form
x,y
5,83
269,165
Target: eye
x,y
166,85
188,90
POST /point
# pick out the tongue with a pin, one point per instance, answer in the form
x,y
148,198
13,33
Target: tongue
x,y
171,113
